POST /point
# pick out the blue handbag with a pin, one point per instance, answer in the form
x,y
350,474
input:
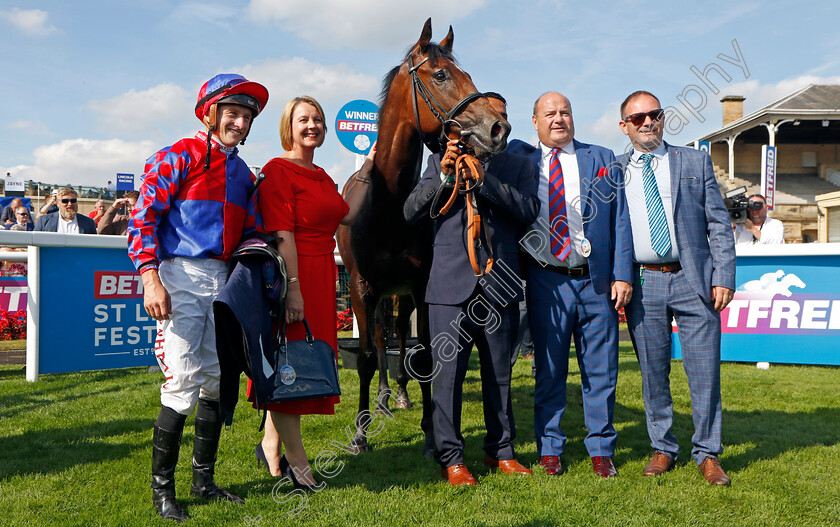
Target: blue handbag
x,y
303,369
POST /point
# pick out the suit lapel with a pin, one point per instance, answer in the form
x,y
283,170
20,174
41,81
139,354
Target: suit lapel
x,y
675,162
585,169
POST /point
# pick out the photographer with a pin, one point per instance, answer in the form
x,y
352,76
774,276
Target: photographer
x,y
758,228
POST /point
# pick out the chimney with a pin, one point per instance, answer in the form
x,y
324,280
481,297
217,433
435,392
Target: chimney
x,y
733,108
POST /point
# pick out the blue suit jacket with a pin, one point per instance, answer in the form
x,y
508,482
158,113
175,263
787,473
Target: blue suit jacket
x,y
49,223
29,226
508,203
604,208
703,230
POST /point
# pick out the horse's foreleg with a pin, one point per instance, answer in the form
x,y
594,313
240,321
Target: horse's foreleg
x,y
403,322
365,365
381,344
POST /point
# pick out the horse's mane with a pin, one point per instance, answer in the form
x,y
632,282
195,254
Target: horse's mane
x,y
433,50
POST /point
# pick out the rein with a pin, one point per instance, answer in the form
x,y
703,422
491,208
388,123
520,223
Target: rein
x,y
466,166
466,170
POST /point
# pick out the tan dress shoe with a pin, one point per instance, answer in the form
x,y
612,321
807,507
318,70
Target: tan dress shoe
x,y
459,475
713,472
659,464
508,466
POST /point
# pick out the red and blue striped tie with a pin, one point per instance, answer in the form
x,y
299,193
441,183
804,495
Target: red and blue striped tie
x,y
560,242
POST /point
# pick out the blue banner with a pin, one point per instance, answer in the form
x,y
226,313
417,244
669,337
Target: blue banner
x,y
125,182
91,313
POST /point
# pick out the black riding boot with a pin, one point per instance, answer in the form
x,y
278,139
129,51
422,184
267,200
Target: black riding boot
x,y
165,446
208,428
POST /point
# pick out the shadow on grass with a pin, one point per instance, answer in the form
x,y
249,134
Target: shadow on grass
x,y
54,450
53,390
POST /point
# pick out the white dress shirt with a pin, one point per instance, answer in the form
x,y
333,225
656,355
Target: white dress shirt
x,y
571,183
642,248
772,232
68,227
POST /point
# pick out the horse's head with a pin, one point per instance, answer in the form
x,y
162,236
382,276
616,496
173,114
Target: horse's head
x,y
446,99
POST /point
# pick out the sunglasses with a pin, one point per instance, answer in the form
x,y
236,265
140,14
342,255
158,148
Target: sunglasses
x,y
68,200
639,118
22,213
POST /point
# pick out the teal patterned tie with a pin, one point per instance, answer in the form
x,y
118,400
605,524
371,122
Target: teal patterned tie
x,y
660,239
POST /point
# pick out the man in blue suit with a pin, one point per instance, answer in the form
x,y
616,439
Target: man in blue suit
x,y
67,220
580,274
22,218
466,309
684,257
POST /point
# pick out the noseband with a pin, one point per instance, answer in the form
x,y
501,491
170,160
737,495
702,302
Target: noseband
x,y
445,118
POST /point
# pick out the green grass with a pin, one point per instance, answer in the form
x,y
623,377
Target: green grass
x,y
75,450
12,345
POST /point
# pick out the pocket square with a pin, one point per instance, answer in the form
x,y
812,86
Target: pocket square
x,y
602,172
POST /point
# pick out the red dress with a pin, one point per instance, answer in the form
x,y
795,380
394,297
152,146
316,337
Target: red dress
x,y
306,203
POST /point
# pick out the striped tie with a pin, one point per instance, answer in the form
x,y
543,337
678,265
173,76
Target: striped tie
x,y
660,239
560,243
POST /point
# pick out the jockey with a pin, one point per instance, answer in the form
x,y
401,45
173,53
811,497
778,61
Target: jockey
x,y
195,205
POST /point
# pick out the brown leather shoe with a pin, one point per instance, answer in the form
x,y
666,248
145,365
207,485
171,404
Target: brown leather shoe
x,y
659,464
459,475
713,472
603,466
551,465
508,466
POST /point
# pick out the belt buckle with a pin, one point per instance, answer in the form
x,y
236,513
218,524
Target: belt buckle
x,y
576,272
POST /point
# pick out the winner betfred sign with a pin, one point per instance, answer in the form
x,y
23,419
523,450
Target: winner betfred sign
x,y
356,126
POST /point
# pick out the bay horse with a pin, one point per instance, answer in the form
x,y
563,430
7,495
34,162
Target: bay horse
x,y
383,254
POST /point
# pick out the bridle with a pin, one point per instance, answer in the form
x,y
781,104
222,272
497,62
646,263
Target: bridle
x,y
466,165
444,117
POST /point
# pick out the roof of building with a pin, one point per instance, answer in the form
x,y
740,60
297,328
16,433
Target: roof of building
x,y
813,103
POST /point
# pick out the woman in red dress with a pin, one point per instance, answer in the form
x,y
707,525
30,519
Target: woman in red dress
x,y
301,206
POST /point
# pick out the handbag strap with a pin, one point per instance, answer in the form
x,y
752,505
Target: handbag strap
x,y
281,335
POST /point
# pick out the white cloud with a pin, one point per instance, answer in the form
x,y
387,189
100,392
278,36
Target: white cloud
x,y
297,76
162,107
361,23
30,21
30,127
605,131
86,161
760,95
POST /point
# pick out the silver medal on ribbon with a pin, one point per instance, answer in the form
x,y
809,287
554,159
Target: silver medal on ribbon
x,y
585,248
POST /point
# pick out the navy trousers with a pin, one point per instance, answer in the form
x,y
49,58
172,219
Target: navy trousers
x,y
561,307
492,329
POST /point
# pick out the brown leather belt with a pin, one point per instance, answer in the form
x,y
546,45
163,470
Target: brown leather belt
x,y
575,272
665,268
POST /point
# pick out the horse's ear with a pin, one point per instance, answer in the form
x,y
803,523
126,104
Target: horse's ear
x,y
425,35
446,44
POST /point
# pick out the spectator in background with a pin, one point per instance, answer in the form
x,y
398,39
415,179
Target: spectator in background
x,y
66,220
8,216
758,228
23,220
50,205
97,212
110,189
117,224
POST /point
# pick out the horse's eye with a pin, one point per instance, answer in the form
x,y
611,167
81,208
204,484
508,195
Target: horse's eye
x,y
439,75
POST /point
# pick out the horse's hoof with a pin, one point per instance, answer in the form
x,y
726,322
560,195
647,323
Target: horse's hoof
x,y
402,402
383,410
360,445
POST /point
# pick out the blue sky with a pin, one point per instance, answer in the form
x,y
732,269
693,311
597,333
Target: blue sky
x,y
92,88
